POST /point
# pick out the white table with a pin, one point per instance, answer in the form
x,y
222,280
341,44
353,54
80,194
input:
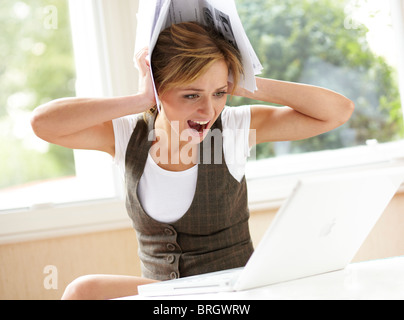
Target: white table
x,y
372,280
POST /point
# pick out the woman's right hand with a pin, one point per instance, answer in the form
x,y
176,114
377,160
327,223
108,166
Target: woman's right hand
x,y
86,123
146,86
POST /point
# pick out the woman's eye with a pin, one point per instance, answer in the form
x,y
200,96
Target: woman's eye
x,y
191,96
196,96
220,94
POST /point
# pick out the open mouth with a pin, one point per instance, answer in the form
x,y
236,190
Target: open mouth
x,y
199,126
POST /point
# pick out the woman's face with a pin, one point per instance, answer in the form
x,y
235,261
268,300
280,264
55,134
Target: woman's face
x,y
191,110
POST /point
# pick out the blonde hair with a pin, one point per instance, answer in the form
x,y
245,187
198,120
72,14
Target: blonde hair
x,y
185,51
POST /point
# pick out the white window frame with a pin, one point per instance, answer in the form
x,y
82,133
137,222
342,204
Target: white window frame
x,y
398,24
104,53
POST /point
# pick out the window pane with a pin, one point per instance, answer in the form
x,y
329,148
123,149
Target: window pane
x,y
36,66
346,46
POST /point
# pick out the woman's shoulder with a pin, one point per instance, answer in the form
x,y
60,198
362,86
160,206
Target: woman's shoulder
x,y
123,130
236,117
126,125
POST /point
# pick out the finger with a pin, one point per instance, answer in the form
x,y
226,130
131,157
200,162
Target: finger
x,y
142,51
141,62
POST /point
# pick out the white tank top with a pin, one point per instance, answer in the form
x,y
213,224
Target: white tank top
x,y
165,195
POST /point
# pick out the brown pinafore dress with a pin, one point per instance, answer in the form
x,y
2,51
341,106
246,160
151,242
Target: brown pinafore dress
x,y
213,235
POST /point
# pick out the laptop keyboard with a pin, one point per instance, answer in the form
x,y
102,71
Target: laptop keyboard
x,y
214,277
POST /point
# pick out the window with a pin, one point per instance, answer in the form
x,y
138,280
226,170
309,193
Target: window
x,y
346,45
38,65
293,38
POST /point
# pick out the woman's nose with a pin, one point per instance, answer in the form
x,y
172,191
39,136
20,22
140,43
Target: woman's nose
x,y
206,108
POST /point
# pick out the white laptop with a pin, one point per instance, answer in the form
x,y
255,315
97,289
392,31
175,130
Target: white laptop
x,y
319,229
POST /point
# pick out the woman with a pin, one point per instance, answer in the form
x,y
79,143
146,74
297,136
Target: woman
x,y
188,206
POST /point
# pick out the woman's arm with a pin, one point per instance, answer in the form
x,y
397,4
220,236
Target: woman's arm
x,y
80,123
310,110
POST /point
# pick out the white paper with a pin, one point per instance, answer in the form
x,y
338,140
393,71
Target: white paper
x,y
156,15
